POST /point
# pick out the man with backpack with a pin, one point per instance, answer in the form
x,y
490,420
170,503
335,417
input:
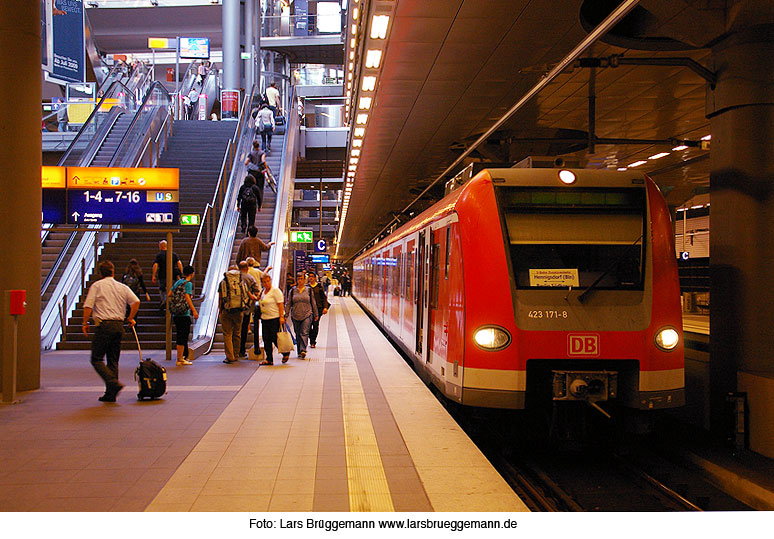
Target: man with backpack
x,y
182,308
234,300
248,202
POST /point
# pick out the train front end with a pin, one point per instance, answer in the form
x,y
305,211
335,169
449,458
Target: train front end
x,y
582,302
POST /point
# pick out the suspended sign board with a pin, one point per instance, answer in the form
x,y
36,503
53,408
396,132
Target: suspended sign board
x,y
319,259
116,196
63,44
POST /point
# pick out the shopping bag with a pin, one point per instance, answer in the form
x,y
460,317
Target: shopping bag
x,y
284,342
252,356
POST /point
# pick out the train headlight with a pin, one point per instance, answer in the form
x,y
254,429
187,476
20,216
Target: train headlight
x,y
567,176
492,338
667,339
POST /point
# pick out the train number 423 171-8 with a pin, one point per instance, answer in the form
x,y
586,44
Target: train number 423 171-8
x,y
547,314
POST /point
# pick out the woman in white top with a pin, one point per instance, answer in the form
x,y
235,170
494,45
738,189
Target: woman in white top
x,y
265,124
272,317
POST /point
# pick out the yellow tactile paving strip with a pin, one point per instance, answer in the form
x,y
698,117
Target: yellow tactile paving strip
x,y
368,489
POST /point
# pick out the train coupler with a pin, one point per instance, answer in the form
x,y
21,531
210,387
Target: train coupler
x,y
588,386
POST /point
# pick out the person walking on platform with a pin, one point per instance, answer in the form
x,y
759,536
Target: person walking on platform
x,y
247,202
265,123
319,293
234,299
159,274
183,320
256,167
272,318
132,278
255,292
252,245
346,284
302,307
256,272
107,300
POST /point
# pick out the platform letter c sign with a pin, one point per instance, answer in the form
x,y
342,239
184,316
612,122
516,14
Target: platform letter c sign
x,y
583,344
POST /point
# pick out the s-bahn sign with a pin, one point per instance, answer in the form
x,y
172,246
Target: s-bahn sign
x,y
116,196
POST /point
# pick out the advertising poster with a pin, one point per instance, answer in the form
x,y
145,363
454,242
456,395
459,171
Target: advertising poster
x,y
46,37
301,12
195,47
68,60
229,104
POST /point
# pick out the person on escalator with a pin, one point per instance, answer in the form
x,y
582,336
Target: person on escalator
x,y
193,97
256,167
265,123
247,202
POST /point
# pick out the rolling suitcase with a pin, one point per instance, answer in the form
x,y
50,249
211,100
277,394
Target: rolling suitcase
x,y
151,377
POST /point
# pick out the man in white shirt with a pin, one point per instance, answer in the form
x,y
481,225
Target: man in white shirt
x,y
273,99
106,302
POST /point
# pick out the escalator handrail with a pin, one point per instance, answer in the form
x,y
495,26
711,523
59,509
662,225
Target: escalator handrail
x,y
284,196
82,130
156,84
57,263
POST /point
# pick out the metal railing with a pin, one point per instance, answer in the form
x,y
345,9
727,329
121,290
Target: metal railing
x,y
302,25
154,107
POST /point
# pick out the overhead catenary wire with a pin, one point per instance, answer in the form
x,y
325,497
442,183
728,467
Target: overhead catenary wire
x,y
611,20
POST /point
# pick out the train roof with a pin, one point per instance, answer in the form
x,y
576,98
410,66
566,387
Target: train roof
x,y
537,177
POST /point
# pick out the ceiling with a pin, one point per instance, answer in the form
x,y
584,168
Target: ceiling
x,y
452,68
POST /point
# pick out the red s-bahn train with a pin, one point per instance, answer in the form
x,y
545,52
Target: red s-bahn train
x,y
526,286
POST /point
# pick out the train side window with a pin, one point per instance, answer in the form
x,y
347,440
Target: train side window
x,y
448,251
435,275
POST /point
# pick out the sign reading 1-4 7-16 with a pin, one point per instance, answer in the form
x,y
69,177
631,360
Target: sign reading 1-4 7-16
x,y
120,196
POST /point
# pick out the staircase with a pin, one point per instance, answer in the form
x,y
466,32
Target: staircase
x,y
197,149
264,221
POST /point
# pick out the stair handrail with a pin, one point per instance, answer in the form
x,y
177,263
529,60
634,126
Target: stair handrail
x,y
282,213
204,327
166,130
57,263
82,130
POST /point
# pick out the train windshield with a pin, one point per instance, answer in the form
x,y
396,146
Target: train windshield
x,y
575,237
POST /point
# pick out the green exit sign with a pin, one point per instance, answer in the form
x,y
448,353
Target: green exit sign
x,y
190,219
300,236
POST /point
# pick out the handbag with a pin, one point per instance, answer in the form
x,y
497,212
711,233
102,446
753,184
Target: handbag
x,y
284,342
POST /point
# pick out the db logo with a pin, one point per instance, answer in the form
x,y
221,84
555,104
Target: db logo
x,y
583,344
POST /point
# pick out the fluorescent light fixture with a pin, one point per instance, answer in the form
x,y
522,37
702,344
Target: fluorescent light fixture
x,y
352,167
361,119
379,26
369,83
697,207
659,155
373,58
351,66
353,160
621,169
706,137
359,131
349,87
365,103
352,43
357,143
680,148
355,13
355,153
349,76
636,164
354,29
351,55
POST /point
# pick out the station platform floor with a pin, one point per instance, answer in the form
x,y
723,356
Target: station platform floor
x,y
351,428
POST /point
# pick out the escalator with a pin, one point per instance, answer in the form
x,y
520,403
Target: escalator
x,y
209,86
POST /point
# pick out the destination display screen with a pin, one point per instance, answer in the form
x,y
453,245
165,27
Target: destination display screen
x,y
115,196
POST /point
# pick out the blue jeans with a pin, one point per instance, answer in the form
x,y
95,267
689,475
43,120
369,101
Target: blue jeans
x,y
301,328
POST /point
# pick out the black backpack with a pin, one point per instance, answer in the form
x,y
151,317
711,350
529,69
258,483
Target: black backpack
x,y
248,195
151,379
132,281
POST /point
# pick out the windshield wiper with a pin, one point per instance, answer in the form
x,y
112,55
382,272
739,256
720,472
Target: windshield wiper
x,y
592,286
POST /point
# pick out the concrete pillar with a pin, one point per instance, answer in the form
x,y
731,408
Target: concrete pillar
x,y
231,37
250,8
741,109
20,155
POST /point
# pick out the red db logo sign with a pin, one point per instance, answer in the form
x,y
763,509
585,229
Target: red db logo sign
x,y
583,344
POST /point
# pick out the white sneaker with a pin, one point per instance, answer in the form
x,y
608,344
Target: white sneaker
x,y
183,362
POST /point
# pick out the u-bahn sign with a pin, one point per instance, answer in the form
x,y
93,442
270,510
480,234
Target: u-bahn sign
x,y
116,196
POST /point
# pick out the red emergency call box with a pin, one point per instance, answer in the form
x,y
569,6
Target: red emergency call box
x,y
18,304
170,74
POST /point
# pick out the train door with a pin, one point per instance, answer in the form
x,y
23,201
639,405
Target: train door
x,y
423,249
